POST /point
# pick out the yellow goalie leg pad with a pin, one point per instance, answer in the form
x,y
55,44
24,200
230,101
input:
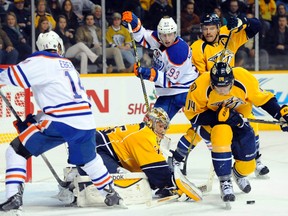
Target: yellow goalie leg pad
x,y
185,186
221,138
192,137
245,168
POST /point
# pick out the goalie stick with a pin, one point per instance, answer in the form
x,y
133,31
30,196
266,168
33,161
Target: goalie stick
x,y
60,182
138,64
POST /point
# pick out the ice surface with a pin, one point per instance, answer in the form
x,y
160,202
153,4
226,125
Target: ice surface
x,y
270,195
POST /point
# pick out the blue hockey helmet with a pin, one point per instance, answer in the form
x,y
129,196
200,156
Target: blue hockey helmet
x,y
210,19
221,74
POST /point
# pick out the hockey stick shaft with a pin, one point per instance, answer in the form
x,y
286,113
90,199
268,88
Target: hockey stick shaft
x,y
7,102
264,121
138,64
184,170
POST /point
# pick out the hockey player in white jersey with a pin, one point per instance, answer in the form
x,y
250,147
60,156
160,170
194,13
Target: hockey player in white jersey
x,y
172,70
67,117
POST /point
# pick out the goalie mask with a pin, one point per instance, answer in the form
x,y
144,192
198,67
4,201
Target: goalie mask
x,y
158,120
50,41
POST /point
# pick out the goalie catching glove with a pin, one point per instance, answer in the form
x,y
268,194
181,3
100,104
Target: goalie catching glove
x,y
147,73
129,17
183,187
21,126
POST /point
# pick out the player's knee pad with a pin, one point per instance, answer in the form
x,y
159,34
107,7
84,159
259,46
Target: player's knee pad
x,y
20,149
245,167
221,138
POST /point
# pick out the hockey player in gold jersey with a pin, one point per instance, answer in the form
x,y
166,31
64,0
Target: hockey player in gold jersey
x,y
207,51
218,101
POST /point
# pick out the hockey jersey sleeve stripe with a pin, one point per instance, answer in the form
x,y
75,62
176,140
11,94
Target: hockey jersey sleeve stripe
x,y
17,77
70,109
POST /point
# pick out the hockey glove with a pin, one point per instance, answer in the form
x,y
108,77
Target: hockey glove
x,y
284,118
129,17
230,117
21,126
147,73
232,22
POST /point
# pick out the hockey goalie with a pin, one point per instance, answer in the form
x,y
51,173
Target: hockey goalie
x,y
139,169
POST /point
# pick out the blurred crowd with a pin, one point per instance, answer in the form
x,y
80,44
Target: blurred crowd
x,y
79,23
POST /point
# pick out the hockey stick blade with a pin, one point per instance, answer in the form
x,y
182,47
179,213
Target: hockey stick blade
x,y
161,201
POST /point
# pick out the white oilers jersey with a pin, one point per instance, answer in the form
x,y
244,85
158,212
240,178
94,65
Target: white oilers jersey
x,y
174,64
56,87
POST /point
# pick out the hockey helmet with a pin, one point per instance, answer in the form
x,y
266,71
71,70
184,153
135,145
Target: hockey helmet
x,y
166,26
50,41
221,75
154,116
210,19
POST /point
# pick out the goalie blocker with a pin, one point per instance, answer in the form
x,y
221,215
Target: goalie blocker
x,y
131,186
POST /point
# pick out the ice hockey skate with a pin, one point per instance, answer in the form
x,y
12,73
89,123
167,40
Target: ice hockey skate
x,y
13,206
113,198
242,181
261,170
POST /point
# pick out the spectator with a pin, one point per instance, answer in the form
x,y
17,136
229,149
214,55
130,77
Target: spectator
x,y
54,8
119,36
4,5
203,7
41,11
75,50
276,42
81,5
97,12
234,9
281,10
43,26
217,10
189,22
71,17
23,16
8,54
267,10
17,36
158,9
91,36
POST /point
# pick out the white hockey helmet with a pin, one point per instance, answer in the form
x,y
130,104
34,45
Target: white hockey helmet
x,y
50,41
154,116
166,26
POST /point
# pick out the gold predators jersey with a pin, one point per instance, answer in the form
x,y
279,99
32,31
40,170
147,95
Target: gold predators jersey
x,y
244,93
205,55
135,146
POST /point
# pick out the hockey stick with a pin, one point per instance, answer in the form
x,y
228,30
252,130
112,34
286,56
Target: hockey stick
x,y
138,64
184,170
205,188
7,102
228,39
161,201
264,121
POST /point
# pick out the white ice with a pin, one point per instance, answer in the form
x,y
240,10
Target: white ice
x,y
270,195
